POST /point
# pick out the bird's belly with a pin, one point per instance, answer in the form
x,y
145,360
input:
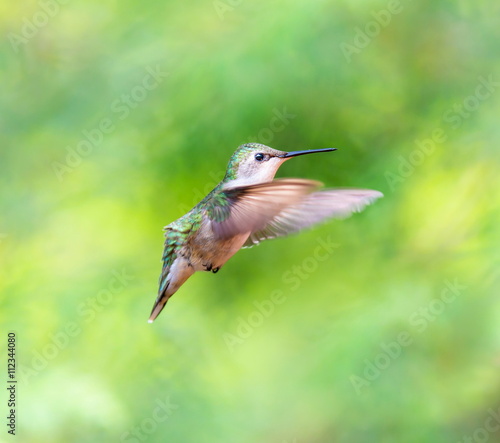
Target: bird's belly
x,y
208,254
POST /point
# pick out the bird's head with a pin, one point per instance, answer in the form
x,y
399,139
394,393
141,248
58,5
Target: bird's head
x,y
254,163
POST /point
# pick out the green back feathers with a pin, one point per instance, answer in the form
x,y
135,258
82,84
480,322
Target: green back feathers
x,y
219,208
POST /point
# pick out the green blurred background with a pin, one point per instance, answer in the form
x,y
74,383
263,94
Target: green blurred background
x,y
363,341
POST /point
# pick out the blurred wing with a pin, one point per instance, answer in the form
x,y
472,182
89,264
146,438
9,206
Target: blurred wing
x,y
248,209
314,208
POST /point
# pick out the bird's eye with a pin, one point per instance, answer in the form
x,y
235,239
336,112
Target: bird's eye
x,y
259,157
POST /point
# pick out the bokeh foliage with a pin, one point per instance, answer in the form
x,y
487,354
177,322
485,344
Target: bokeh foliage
x,y
231,67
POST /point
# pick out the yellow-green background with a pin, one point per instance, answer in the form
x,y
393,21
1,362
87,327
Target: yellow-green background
x,y
231,66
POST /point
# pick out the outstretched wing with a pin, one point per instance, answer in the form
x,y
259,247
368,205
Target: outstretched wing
x,y
281,207
312,209
248,209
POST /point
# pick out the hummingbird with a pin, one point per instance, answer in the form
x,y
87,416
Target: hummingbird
x,y
245,208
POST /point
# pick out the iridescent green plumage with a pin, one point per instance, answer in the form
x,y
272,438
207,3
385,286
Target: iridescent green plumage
x,y
176,234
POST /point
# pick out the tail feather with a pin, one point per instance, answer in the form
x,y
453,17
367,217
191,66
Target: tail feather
x,y
160,303
172,278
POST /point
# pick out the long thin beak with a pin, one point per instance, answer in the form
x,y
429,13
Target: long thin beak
x,y
309,151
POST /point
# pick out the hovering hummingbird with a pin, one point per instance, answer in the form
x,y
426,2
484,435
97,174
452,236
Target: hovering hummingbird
x,y
245,208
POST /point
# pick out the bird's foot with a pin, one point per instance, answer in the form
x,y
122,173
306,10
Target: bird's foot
x,y
209,267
